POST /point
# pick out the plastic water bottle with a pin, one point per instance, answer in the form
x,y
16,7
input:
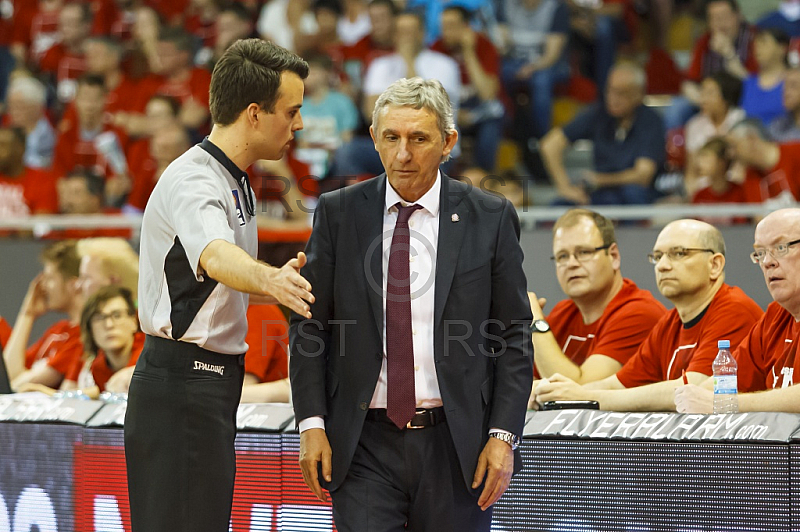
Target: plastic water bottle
x,y
725,384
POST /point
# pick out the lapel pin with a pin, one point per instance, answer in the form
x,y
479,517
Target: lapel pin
x,y
454,218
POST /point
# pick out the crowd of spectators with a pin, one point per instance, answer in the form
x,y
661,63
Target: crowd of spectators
x,y
117,89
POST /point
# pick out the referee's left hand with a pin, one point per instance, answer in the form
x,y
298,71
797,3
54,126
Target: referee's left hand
x,y
292,289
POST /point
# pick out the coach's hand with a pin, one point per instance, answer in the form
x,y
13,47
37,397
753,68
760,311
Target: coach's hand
x,y
315,449
496,463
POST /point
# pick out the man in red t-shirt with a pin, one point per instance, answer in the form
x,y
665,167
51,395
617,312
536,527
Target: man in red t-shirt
x,y
266,363
767,357
772,169
480,110
65,60
593,333
379,41
23,190
689,259
55,289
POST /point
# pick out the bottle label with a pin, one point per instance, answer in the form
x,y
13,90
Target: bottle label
x,y
725,384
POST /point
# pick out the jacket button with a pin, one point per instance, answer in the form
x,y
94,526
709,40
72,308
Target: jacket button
x,y
363,406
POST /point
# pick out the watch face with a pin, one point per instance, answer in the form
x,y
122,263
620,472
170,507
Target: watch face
x,y
541,326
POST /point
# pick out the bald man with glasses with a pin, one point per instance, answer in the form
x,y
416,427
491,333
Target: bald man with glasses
x,y
767,357
590,335
689,264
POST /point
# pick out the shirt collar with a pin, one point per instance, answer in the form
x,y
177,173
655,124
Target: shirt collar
x,y
237,173
429,201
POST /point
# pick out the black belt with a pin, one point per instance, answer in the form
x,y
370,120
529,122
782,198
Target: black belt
x,y
424,418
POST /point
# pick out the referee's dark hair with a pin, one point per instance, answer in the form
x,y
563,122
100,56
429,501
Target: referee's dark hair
x,y
250,72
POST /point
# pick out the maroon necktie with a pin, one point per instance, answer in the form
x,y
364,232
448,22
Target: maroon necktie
x,y
401,401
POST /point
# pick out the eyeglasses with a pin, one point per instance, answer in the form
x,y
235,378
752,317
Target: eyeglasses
x,y
581,254
675,254
115,316
780,250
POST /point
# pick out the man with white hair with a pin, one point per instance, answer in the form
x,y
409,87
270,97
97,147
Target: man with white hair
x,y
628,140
767,358
410,384
27,103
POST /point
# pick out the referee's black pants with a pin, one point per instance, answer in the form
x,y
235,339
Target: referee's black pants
x,y
180,427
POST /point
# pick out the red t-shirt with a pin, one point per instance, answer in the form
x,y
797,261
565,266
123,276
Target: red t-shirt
x,y
195,86
672,347
784,177
59,347
71,151
143,172
205,30
484,49
704,62
101,372
624,325
34,192
767,357
268,339
5,332
104,13
365,51
734,194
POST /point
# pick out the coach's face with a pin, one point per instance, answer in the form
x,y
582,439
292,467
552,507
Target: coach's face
x,y
411,147
278,128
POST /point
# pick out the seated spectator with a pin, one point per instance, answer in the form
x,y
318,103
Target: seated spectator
x,y
104,58
762,92
27,107
200,21
65,61
233,23
112,344
165,145
285,23
433,9
629,146
727,45
719,97
83,143
772,169
786,18
689,259
354,24
325,39
266,363
767,357
412,59
379,41
786,128
480,110
536,60
329,117
713,163
55,289
35,30
590,335
23,190
107,261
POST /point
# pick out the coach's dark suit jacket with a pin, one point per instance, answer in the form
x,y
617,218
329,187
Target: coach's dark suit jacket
x,y
485,369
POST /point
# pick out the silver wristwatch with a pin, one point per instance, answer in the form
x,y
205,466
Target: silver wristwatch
x,y
507,437
540,326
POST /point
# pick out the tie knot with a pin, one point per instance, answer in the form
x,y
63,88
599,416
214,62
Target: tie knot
x,y
404,213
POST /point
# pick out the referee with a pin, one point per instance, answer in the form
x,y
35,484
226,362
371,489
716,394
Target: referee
x,y
197,269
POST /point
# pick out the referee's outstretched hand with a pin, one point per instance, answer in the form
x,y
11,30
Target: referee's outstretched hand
x,y
290,288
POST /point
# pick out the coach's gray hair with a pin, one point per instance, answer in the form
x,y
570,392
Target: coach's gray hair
x,y
420,94
30,88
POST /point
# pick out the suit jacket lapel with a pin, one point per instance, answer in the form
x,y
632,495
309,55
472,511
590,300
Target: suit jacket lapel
x,y
369,226
453,221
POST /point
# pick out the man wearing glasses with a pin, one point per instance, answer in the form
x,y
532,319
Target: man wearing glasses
x,y
768,355
593,333
689,263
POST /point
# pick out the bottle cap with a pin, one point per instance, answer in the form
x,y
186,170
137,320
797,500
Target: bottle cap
x,y
724,344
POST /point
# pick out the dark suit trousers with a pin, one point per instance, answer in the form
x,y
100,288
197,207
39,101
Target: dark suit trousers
x,y
406,480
